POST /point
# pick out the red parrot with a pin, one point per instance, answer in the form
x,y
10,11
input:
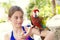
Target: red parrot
x,y
35,20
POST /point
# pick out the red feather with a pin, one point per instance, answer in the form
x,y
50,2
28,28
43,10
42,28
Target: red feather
x,y
35,10
36,20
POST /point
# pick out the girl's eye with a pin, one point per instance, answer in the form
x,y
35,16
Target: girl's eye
x,y
16,17
21,17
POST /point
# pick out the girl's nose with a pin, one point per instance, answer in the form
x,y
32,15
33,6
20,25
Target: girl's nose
x,y
19,20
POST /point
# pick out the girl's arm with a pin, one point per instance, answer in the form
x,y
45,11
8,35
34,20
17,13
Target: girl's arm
x,y
50,36
35,31
6,37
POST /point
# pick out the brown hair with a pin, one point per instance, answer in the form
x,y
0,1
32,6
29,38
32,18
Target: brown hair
x,y
14,9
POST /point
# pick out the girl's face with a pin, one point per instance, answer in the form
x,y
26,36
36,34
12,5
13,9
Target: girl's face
x,y
17,19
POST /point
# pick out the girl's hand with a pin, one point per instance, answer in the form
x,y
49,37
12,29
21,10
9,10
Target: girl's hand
x,y
24,35
28,31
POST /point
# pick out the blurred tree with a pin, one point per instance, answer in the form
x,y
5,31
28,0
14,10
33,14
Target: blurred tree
x,y
45,8
54,7
6,6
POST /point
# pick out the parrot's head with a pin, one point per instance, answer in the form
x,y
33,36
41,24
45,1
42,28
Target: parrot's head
x,y
35,13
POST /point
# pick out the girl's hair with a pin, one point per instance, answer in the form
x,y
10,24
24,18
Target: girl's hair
x,y
14,9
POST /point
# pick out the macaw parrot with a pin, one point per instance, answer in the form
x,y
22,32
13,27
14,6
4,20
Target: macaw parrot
x,y
35,20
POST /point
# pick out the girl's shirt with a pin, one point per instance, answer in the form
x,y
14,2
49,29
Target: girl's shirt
x,y
27,38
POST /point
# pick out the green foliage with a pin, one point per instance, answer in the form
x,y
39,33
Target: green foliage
x,y
3,20
58,6
6,6
44,7
58,9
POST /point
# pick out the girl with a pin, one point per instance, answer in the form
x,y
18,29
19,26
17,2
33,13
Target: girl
x,y
19,33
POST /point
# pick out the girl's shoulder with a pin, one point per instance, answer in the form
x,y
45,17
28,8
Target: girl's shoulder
x,y
7,36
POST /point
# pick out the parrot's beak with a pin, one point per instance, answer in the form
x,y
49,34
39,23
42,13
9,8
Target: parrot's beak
x,y
36,14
